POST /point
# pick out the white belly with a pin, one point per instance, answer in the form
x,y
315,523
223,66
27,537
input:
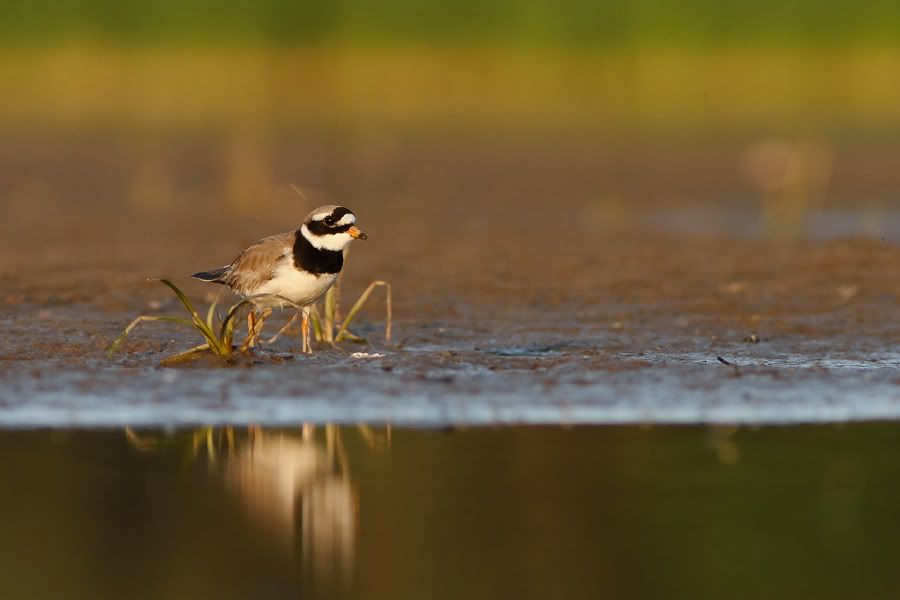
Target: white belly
x,y
299,287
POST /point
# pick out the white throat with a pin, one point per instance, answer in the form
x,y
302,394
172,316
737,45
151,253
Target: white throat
x,y
331,241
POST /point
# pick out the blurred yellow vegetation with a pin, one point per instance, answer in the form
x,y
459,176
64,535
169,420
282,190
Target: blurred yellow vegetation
x,y
421,86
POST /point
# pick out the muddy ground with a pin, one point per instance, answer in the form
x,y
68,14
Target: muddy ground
x,y
534,280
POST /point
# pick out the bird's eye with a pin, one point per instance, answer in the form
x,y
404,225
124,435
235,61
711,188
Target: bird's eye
x,y
330,221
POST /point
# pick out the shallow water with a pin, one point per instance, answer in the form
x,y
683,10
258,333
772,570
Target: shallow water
x,y
584,512
429,388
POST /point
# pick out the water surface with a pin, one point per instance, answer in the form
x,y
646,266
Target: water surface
x,y
625,512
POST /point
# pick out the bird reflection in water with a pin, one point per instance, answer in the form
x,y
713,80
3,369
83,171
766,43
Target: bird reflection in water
x,y
299,489
295,484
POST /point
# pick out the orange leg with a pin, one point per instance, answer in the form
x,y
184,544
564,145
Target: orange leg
x,y
254,327
304,331
260,321
251,327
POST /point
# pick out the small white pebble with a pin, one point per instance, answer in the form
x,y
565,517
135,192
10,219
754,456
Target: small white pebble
x,y
154,305
366,355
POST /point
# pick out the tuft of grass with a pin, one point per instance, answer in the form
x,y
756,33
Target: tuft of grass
x,y
218,339
327,330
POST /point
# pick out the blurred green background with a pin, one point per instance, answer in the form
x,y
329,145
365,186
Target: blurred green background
x,y
646,65
566,23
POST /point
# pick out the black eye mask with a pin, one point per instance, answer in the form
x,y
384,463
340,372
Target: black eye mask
x,y
327,225
320,228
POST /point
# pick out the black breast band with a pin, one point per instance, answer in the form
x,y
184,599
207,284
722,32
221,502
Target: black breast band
x,y
316,260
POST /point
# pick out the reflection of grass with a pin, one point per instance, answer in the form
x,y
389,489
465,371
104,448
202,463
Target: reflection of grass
x,y
227,440
363,87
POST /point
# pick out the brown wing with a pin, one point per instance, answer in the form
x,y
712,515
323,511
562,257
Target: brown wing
x,y
256,265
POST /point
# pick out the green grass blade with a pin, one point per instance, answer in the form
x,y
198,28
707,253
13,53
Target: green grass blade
x,y
199,323
118,341
316,321
330,311
342,332
181,296
281,331
352,337
211,313
226,332
183,356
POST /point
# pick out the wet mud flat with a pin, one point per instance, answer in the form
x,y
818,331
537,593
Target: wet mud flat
x,y
508,308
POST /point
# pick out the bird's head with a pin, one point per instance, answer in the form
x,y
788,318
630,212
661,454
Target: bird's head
x,y
331,227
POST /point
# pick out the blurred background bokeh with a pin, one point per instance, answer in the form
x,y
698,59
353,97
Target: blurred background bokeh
x,y
823,68
794,100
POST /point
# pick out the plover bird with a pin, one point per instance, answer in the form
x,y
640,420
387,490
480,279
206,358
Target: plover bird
x,y
299,266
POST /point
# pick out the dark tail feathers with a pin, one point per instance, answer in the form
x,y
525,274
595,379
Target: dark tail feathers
x,y
214,276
